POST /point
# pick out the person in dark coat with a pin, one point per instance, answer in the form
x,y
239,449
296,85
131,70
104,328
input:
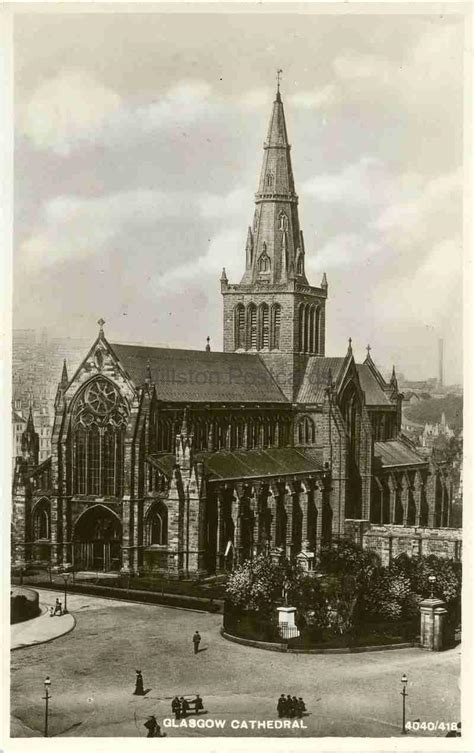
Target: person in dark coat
x,y
290,710
281,706
300,707
152,726
139,689
184,707
198,704
196,641
58,609
176,707
294,703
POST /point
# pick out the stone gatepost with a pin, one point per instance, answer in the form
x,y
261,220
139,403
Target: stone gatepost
x,y
433,615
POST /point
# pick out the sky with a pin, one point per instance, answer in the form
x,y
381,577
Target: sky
x,y
138,146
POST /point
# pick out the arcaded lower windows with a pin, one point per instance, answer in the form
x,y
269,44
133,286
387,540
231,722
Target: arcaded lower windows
x,y
306,431
257,328
99,418
309,326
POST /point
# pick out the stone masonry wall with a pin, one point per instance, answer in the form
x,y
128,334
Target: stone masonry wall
x,y
391,540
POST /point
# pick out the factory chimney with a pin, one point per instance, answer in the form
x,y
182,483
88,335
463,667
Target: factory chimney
x,y
440,362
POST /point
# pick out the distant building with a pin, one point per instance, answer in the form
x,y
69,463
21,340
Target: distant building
x,y
18,427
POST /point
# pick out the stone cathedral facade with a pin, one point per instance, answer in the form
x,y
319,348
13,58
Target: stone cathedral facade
x,y
189,461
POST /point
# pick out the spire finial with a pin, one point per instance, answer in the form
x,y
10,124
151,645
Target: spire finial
x,y
101,323
368,350
208,344
64,376
278,78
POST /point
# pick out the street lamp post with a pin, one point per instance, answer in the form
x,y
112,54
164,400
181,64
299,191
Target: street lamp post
x,y
404,695
66,578
46,697
432,581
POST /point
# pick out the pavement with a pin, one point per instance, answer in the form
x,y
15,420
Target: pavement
x,y
42,628
92,670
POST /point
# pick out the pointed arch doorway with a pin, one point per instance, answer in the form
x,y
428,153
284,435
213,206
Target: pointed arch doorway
x,y
97,540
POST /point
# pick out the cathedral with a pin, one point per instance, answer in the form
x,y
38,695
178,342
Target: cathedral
x,y
187,462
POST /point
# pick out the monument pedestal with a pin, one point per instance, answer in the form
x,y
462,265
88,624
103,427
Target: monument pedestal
x,y
286,622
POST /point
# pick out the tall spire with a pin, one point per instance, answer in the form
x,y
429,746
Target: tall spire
x,y
275,246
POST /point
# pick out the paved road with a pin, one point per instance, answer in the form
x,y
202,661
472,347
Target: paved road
x,y
93,668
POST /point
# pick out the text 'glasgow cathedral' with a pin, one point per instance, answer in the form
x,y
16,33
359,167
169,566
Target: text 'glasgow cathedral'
x,y
190,461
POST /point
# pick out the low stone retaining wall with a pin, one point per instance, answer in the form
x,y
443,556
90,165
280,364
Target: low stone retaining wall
x,y
179,601
24,604
283,647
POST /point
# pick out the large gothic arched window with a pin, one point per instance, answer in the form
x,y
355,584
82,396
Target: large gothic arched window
x,y
100,415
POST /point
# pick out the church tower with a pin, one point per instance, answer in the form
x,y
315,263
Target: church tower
x,y
274,311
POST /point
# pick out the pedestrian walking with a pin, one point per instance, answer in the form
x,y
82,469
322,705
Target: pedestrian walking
x,y
198,704
58,609
196,641
176,707
152,726
281,706
139,689
51,611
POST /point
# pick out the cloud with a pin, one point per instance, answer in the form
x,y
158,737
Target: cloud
x,y
225,250
73,109
255,99
213,205
67,110
70,227
75,227
316,99
361,183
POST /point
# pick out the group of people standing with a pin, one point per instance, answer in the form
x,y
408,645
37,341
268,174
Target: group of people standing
x,y
56,610
181,706
290,706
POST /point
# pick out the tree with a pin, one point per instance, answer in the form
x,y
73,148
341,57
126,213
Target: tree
x,y
257,583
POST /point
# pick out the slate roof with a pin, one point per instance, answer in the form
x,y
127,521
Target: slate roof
x,y
236,464
200,376
281,461
315,379
395,452
17,419
374,394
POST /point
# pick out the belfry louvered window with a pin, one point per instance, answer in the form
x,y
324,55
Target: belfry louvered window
x,y
252,326
239,324
264,326
276,323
